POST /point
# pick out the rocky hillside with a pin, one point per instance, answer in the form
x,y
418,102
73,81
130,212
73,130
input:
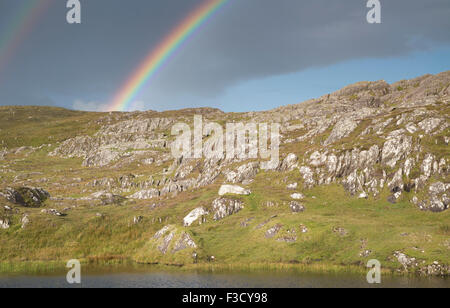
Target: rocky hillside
x,y
363,173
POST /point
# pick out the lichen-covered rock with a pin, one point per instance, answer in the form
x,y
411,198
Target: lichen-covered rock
x,y
223,207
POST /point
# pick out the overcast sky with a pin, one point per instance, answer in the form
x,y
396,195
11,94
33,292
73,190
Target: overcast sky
x,y
252,55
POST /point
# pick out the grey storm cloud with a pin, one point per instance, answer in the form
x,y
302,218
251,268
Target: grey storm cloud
x,y
261,38
245,40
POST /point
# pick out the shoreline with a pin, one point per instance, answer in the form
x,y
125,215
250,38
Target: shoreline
x,y
37,268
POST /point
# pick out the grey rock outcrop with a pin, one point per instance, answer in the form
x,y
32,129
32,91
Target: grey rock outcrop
x,y
223,207
26,196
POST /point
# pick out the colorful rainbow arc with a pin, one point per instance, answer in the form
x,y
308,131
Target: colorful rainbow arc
x,y
23,22
159,55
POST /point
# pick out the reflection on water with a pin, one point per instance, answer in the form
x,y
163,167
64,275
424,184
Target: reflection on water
x,y
160,279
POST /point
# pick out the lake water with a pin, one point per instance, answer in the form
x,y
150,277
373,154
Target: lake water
x,y
159,279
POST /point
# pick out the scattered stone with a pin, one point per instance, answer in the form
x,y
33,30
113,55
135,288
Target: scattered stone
x,y
245,223
365,253
296,207
270,233
25,221
341,231
303,228
52,212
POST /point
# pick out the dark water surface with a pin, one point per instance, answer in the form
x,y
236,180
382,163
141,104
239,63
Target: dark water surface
x,y
161,279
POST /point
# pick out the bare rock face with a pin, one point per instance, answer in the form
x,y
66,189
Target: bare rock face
x,y
194,215
26,196
342,129
233,189
396,148
223,207
112,142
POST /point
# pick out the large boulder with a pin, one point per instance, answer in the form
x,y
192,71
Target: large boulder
x,y
26,196
233,189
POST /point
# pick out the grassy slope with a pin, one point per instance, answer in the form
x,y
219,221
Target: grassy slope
x,y
83,235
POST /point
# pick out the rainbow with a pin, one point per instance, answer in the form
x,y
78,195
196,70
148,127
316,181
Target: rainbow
x,y
26,17
159,55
